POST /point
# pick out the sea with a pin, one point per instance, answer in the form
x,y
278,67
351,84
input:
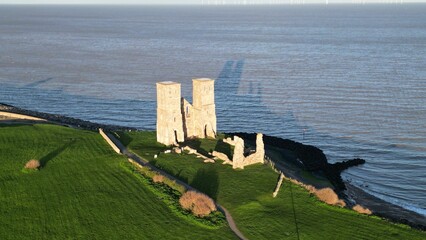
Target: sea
x,y
349,79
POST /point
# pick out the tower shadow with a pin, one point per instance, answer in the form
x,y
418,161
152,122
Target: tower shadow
x,y
207,181
36,83
230,76
44,160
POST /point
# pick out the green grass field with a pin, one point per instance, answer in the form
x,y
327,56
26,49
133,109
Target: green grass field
x,y
83,191
247,194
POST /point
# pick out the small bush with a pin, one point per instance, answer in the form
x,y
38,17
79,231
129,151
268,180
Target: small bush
x,y
362,210
199,204
158,178
328,196
32,164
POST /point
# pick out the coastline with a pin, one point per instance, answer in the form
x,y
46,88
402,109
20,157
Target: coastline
x,y
379,207
385,209
62,120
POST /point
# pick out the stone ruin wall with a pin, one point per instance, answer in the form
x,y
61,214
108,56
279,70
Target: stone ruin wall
x,y
204,108
240,161
188,118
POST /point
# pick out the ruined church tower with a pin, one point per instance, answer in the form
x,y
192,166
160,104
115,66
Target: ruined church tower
x,y
177,119
204,108
169,115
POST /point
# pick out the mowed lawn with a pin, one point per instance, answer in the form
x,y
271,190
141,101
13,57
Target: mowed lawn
x,y
82,191
247,194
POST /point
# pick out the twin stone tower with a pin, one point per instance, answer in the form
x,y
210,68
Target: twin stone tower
x,y
177,119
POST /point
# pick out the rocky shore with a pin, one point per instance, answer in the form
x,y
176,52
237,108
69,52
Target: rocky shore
x,y
63,120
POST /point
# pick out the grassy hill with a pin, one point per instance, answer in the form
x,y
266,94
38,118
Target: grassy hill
x,y
83,191
247,194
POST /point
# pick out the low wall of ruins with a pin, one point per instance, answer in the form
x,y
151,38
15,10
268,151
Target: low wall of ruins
x,y
240,161
109,141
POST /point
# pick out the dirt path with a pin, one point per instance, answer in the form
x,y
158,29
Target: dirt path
x,y
145,163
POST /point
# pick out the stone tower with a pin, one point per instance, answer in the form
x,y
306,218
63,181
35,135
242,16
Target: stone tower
x,y
169,113
204,108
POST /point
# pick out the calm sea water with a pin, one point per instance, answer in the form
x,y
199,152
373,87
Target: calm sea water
x,y
348,79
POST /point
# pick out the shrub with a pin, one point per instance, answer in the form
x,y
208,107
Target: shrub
x,y
32,164
362,210
328,196
199,204
158,178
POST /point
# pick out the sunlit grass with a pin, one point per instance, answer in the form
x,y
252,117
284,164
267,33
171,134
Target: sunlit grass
x,y
81,191
247,194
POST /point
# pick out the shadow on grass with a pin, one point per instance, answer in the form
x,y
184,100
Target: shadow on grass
x,y
196,144
124,138
223,148
207,181
6,123
44,160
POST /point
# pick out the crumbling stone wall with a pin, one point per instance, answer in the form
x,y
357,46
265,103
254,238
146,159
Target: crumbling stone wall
x,y
240,161
189,116
229,141
222,156
238,157
201,122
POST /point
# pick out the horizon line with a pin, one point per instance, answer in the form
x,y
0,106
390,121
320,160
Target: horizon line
x,y
199,4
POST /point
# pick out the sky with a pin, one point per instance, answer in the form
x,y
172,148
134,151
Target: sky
x,y
192,1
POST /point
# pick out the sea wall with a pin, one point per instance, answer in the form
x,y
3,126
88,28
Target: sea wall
x,y
60,119
12,116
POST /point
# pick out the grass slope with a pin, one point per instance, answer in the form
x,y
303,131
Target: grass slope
x,y
247,194
82,192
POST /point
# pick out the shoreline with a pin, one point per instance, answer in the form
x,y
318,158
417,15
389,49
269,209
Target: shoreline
x,y
384,209
379,207
63,120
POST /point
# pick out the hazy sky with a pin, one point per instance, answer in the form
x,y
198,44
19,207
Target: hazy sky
x,y
186,1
